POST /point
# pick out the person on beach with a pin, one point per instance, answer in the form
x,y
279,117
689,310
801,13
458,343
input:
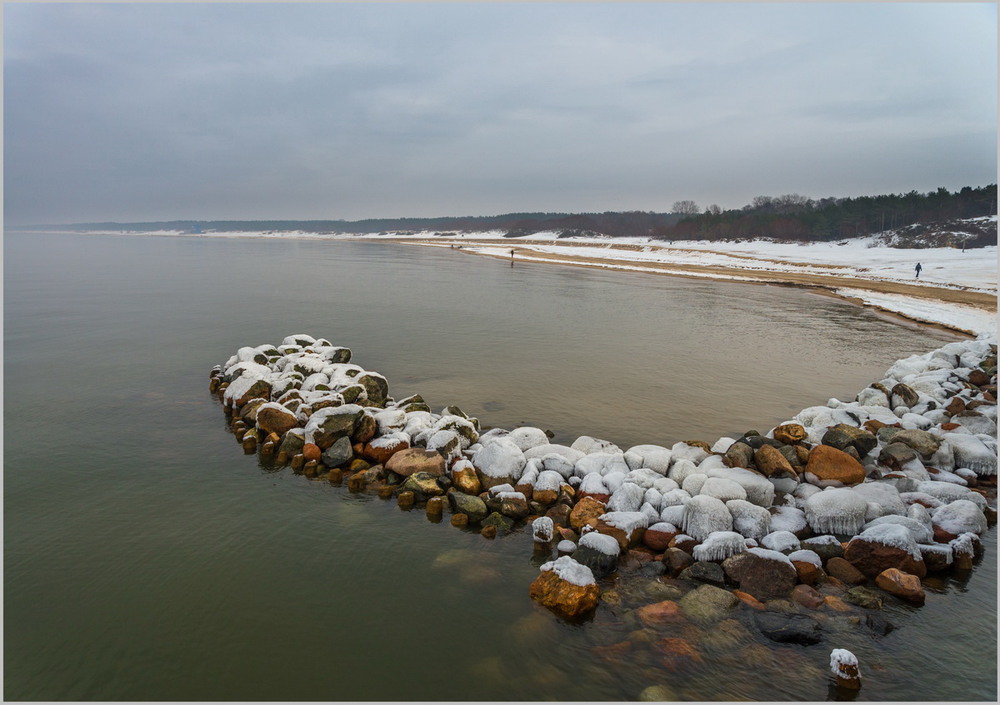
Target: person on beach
x,y
918,268
512,258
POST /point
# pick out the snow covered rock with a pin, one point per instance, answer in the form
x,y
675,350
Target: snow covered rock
x,y
749,520
527,437
627,528
542,530
719,545
781,541
723,489
656,458
836,511
588,444
566,587
599,552
272,417
499,461
704,514
958,517
764,574
970,452
885,546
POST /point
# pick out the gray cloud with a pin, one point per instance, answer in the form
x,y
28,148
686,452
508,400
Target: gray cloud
x,y
131,112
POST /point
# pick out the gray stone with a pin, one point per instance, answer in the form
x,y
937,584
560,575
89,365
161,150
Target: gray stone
x,y
789,628
339,453
708,604
705,572
474,507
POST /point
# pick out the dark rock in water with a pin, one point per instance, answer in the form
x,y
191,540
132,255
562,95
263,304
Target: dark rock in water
x,y
864,597
844,571
499,521
292,444
337,422
879,625
473,507
789,628
705,572
675,560
339,453
653,569
843,437
514,507
763,578
707,604
600,563
559,514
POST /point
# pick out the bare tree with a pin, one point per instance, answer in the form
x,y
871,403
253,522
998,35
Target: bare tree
x,y
685,208
713,210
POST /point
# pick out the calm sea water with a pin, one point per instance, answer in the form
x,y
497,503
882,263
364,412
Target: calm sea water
x,y
145,557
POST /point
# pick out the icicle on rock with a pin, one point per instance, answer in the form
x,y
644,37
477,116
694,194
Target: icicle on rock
x,y
836,511
704,514
719,545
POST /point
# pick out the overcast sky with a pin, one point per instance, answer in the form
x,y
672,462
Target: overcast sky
x,y
252,111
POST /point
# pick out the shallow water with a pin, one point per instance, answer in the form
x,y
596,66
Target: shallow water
x,y
147,558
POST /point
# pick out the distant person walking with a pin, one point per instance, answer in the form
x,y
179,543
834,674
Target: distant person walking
x,y
512,258
918,269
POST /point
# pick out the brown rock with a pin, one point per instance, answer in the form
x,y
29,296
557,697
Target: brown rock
x,y
806,596
684,542
978,377
382,451
625,539
563,597
666,612
949,426
567,534
364,429
311,452
902,585
845,572
749,600
545,497
414,460
489,531
790,433
405,499
658,540
873,425
676,560
828,466
955,406
700,444
466,480
836,604
586,513
808,573
280,421
871,558
601,497
459,520
677,654
764,578
770,461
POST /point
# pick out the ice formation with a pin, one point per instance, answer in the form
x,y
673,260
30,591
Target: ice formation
x,y
527,437
751,521
722,488
719,545
790,519
840,658
656,458
703,515
804,555
959,517
500,457
892,535
921,533
542,529
602,543
693,483
588,444
626,521
627,498
783,541
836,511
882,494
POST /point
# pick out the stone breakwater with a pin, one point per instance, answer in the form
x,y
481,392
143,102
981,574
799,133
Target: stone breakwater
x,y
840,508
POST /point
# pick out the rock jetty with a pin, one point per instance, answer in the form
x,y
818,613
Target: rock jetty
x,y
842,507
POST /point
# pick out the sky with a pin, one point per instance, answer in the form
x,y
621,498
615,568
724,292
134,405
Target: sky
x,y
138,112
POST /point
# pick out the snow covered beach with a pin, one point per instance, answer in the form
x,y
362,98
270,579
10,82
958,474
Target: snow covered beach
x,y
778,533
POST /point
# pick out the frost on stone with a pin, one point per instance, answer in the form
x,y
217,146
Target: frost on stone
x,y
566,546
652,515
674,498
836,511
703,515
664,527
594,484
664,485
804,555
786,518
389,420
719,545
497,490
656,458
770,555
751,521
782,541
391,440
680,469
548,481
883,494
964,544
944,491
557,463
644,477
499,457
951,477
627,498
570,571
588,444
596,463
723,488
510,495
921,498
527,437
614,480
872,397
758,488
839,658
970,452
602,543
542,529
682,451
942,552
653,498
921,533
566,452
693,483
673,514
723,444
626,521
959,517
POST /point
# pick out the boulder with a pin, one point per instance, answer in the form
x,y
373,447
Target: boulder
x,y
704,572
413,460
499,461
707,604
806,596
338,454
885,546
771,461
469,505
275,418
844,436
598,552
764,574
739,455
627,528
902,585
830,467
566,587
422,485
845,572
658,536
379,450
923,442
587,512
327,425
676,560
660,613
864,597
789,628
498,522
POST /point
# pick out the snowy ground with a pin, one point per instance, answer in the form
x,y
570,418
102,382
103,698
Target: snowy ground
x,y
858,258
